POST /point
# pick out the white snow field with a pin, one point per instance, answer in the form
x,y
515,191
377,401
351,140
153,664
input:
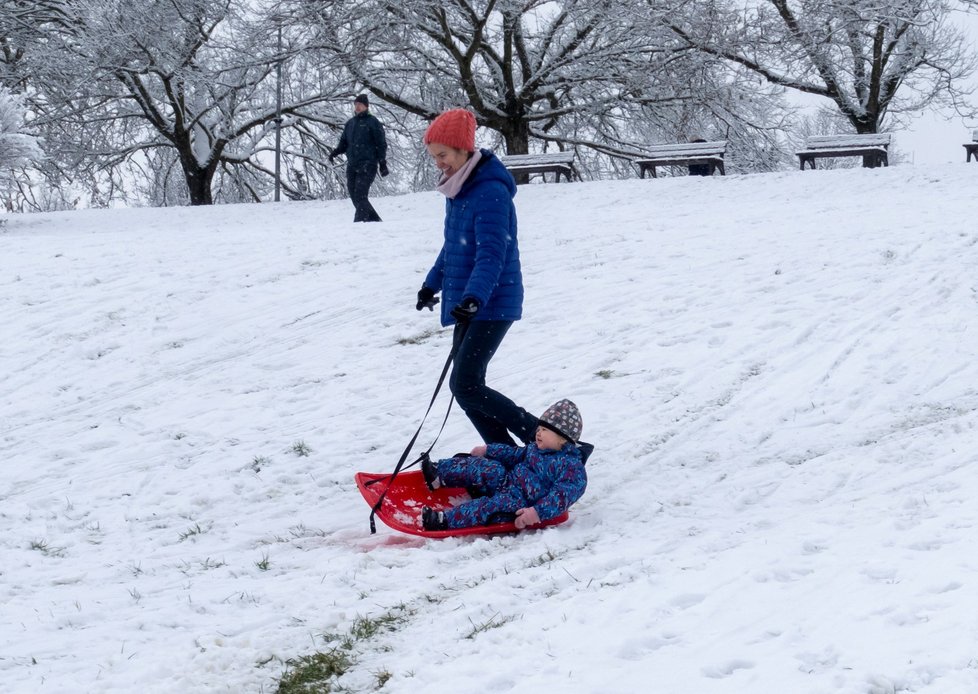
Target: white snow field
x,y
778,372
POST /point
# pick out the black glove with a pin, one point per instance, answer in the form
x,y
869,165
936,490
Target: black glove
x,y
464,312
384,171
426,299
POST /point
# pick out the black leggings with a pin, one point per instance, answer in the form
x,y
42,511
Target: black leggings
x,y
492,414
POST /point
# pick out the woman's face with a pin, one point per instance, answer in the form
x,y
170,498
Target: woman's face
x,y
448,159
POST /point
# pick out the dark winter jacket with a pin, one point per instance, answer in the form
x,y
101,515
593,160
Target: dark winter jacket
x,y
550,480
363,141
480,257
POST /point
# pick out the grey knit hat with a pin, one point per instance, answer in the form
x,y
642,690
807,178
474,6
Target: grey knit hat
x,y
564,418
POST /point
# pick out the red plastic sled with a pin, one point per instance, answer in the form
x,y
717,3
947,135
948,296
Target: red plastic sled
x,y
401,509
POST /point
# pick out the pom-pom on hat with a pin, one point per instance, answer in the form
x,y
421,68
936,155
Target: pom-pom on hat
x,y
362,99
564,418
455,128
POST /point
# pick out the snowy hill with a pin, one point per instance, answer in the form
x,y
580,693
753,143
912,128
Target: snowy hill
x,y
778,373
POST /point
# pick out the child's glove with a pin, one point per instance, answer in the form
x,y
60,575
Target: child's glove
x,y
426,298
526,517
464,312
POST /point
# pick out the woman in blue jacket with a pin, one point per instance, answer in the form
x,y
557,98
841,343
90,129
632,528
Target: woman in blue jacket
x,y
477,272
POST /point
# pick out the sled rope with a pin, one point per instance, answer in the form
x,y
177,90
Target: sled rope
x,y
456,342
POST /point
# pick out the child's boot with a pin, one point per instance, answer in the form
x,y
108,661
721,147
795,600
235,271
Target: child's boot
x,y
430,473
432,519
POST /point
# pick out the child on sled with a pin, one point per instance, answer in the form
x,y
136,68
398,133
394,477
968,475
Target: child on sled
x,y
526,485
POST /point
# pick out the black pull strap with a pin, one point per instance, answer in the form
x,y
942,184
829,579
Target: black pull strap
x,y
400,463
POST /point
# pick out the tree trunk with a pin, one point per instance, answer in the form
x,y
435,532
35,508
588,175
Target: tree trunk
x,y
869,125
199,185
516,133
198,178
517,136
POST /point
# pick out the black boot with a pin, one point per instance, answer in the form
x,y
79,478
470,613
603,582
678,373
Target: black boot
x,y
433,520
430,473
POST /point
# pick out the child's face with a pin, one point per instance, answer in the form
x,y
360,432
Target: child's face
x,y
548,440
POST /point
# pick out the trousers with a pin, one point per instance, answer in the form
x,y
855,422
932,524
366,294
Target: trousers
x,y
359,178
501,494
492,414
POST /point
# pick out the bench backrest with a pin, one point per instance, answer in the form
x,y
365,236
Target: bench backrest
x,y
537,159
687,149
845,141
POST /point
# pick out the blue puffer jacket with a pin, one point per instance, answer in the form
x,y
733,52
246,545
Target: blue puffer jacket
x,y
480,257
550,480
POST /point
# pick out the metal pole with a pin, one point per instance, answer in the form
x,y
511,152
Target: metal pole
x,y
278,119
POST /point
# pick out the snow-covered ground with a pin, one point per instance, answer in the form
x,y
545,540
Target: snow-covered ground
x,y
778,372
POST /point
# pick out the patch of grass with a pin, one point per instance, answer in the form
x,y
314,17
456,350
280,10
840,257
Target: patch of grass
x,y
382,678
314,673
605,373
300,449
47,550
493,622
264,564
258,462
367,627
192,531
318,672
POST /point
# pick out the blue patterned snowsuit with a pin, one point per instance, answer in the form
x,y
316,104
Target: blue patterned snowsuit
x,y
513,478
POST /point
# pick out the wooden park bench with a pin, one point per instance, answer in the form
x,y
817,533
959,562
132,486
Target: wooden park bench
x,y
872,148
690,153
972,147
557,163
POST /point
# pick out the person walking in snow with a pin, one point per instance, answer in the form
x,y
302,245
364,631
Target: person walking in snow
x,y
365,145
477,271
526,485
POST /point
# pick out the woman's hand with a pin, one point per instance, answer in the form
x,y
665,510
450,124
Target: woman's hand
x,y
426,298
526,517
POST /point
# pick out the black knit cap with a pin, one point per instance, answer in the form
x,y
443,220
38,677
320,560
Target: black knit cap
x,y
361,99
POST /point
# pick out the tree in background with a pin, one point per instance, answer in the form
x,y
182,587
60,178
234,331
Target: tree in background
x,y
173,101
17,148
607,75
125,89
871,59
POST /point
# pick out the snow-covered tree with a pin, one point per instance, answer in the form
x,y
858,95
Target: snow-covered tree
x,y
871,58
148,88
601,73
17,148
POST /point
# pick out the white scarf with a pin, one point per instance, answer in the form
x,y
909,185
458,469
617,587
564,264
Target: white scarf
x,y
451,185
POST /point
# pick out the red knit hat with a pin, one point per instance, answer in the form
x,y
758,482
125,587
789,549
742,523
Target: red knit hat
x,y
455,128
